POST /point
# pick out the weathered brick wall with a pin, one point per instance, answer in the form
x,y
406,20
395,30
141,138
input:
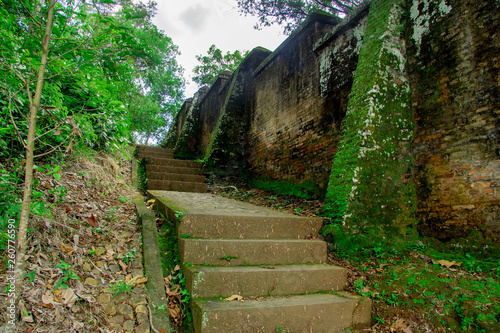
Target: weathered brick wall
x,y
188,142
369,188
175,128
210,108
454,60
300,98
228,148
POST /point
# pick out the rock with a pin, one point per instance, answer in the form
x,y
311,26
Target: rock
x,y
141,309
142,318
117,327
104,298
139,290
129,325
91,281
100,251
137,263
86,267
110,309
142,328
114,268
126,310
137,272
136,300
117,319
121,297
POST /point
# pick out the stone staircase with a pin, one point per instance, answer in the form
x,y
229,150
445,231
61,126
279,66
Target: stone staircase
x,y
270,258
164,172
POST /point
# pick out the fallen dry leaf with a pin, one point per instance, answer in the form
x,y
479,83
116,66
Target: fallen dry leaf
x,y
398,326
91,220
68,297
448,264
67,249
234,297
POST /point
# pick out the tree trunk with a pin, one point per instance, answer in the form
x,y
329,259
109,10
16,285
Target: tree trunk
x,y
30,146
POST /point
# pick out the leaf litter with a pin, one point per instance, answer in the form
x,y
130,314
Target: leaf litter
x,y
76,251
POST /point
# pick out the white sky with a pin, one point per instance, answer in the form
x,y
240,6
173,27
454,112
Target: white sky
x,y
194,25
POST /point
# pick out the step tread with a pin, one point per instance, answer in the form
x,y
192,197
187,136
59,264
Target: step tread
x,y
210,204
173,169
183,177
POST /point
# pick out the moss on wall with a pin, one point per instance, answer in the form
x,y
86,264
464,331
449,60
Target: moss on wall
x,y
370,183
187,146
226,152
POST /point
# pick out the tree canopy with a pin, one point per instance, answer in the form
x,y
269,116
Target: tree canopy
x,y
104,59
214,63
289,13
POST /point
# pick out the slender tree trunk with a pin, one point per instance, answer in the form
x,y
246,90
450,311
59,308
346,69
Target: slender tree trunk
x,y
30,146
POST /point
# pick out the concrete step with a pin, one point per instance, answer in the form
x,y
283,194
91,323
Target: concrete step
x,y
169,185
180,177
238,252
155,154
153,148
306,313
210,216
247,281
173,162
172,169
144,151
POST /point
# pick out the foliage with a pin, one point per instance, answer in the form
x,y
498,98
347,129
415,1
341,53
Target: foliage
x,y
289,13
214,63
171,267
108,64
66,275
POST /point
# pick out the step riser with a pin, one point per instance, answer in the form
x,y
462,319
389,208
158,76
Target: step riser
x,y
179,177
206,282
170,169
251,252
152,148
174,163
248,227
242,317
154,155
177,186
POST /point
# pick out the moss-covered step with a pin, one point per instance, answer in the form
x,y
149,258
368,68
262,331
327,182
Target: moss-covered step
x,y
179,177
173,169
147,151
247,281
305,313
237,252
169,185
210,216
173,162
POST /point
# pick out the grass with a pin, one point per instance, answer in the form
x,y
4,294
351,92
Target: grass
x,y
414,284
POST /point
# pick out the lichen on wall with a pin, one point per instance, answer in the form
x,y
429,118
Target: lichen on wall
x,y
370,180
424,13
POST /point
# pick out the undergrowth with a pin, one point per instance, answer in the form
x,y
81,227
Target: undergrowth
x,y
445,286
171,266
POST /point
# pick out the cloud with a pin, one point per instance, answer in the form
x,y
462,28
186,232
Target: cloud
x,y
196,17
